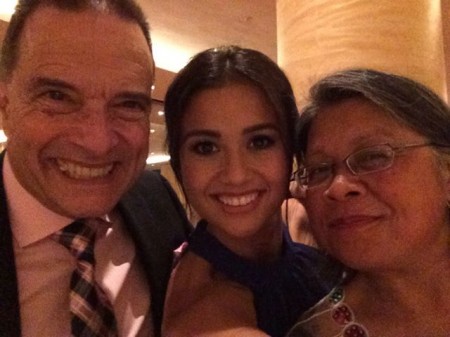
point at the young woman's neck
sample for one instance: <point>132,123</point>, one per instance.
<point>263,246</point>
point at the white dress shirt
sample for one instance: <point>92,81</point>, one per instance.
<point>44,268</point>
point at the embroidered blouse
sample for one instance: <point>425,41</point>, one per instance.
<point>331,317</point>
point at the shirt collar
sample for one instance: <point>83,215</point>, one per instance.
<point>30,220</point>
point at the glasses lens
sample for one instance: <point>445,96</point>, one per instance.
<point>371,159</point>
<point>314,175</point>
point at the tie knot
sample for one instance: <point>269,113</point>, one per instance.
<point>78,238</point>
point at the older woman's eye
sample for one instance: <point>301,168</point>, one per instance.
<point>315,174</point>
<point>372,159</point>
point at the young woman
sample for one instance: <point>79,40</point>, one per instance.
<point>230,116</point>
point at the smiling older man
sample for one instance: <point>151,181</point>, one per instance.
<point>75,100</point>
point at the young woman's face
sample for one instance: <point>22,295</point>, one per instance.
<point>390,218</point>
<point>234,166</point>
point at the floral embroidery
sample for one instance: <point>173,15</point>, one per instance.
<point>331,317</point>
<point>342,314</point>
<point>355,330</point>
<point>336,295</point>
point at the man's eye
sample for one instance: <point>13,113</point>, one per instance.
<point>56,95</point>
<point>131,110</point>
<point>133,105</point>
<point>204,148</point>
<point>58,102</point>
<point>261,142</point>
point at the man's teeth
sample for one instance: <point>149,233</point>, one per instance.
<point>82,172</point>
<point>238,201</point>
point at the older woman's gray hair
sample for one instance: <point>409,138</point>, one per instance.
<point>407,101</point>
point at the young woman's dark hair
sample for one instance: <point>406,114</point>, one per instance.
<point>217,67</point>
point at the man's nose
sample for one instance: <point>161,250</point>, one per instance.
<point>97,132</point>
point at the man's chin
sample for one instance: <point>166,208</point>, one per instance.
<point>87,208</point>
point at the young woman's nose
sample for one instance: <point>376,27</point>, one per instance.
<point>235,169</point>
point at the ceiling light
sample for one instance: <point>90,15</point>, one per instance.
<point>7,9</point>
<point>3,137</point>
<point>168,55</point>
<point>158,158</point>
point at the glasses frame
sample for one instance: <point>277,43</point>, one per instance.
<point>301,174</point>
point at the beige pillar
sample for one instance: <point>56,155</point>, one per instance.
<point>3,27</point>
<point>316,37</point>
<point>445,9</point>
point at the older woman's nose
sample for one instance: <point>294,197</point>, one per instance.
<point>343,186</point>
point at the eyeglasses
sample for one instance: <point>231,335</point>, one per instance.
<point>368,160</point>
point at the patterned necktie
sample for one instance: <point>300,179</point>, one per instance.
<point>92,313</point>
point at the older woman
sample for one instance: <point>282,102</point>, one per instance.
<point>375,163</point>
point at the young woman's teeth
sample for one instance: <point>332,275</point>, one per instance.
<point>238,201</point>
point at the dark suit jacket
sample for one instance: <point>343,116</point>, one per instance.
<point>156,221</point>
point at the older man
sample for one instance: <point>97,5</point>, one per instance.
<point>76,79</point>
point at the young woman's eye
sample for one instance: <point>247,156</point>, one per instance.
<point>204,148</point>
<point>262,142</point>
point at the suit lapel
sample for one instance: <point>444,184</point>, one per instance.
<point>155,238</point>
<point>154,251</point>
<point>9,297</point>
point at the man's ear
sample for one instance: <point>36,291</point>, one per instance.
<point>3,107</point>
